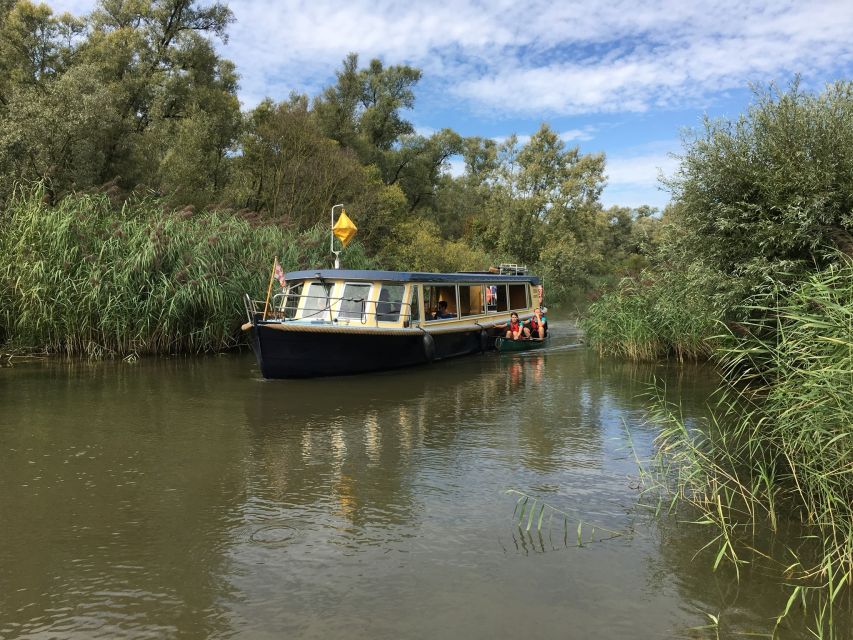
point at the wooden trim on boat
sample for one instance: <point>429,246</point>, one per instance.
<point>432,327</point>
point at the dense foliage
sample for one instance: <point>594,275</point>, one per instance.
<point>755,250</point>
<point>93,277</point>
<point>777,452</point>
<point>135,98</point>
<point>765,199</point>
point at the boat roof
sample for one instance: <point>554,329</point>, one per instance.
<point>409,276</point>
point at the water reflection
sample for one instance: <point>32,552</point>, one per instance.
<point>191,498</point>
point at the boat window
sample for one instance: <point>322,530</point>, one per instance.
<point>471,299</point>
<point>390,302</point>
<point>354,301</point>
<point>290,301</point>
<point>316,306</point>
<point>518,296</point>
<point>434,297</point>
<point>496,298</point>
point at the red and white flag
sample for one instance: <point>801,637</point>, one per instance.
<point>278,272</point>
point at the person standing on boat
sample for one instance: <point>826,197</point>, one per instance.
<point>538,324</point>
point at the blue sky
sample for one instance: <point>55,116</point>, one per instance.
<point>623,78</point>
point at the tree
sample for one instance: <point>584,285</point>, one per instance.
<point>156,58</point>
<point>542,205</point>
<point>56,132</point>
<point>31,46</point>
<point>363,112</point>
<point>287,169</point>
<point>362,109</point>
<point>768,194</point>
<point>419,164</point>
<point>135,91</point>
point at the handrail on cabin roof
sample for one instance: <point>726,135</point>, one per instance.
<point>419,277</point>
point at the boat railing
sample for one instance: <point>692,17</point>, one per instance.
<point>325,309</point>
<point>512,269</point>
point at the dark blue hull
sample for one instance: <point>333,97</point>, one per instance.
<point>306,354</point>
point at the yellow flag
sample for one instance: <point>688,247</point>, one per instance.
<point>344,229</point>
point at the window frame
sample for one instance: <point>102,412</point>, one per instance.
<point>502,295</point>
<point>480,307</point>
<point>304,299</point>
<point>441,285</point>
<point>366,312</point>
<point>401,302</point>
<point>526,288</point>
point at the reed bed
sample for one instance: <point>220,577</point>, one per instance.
<point>779,446</point>
<point>645,319</point>
<point>95,278</point>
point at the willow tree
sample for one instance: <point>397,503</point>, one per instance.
<point>768,194</point>
<point>540,206</point>
<point>134,92</point>
<point>364,111</point>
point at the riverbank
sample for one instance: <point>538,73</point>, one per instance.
<point>776,453</point>
<point>754,272</point>
<point>96,278</point>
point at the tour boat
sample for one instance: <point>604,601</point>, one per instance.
<point>336,321</point>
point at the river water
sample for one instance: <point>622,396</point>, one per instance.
<point>189,498</point>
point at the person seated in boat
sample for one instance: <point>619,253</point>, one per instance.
<point>442,313</point>
<point>537,326</point>
<point>515,330</point>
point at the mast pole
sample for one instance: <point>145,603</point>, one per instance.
<point>332,238</point>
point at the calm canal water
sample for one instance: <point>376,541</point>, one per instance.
<point>189,498</point>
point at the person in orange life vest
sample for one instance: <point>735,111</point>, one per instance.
<point>515,329</point>
<point>538,324</point>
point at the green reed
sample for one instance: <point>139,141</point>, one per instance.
<point>530,512</point>
<point>92,277</point>
<point>645,319</point>
<point>779,444</point>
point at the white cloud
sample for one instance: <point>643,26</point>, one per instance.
<point>520,139</point>
<point>639,169</point>
<point>671,63</point>
<point>557,58</point>
<point>424,131</point>
<point>582,134</point>
<point>633,176</point>
<point>76,7</point>
<point>539,57</point>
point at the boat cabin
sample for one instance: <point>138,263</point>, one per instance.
<point>386,299</point>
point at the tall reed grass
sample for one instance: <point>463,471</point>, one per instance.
<point>780,443</point>
<point>647,318</point>
<point>90,277</point>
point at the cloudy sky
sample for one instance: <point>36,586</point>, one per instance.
<point>625,78</point>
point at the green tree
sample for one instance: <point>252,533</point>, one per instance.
<point>134,91</point>
<point>419,163</point>
<point>157,59</point>
<point>287,169</point>
<point>35,45</point>
<point>541,207</point>
<point>56,132</point>
<point>768,194</point>
<point>362,109</point>
<point>420,247</point>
